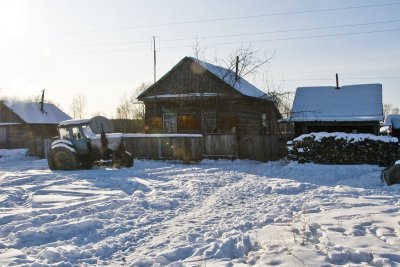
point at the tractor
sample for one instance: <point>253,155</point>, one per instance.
<point>87,142</point>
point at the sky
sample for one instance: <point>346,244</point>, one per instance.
<point>102,49</point>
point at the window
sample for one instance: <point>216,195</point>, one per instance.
<point>170,123</point>
<point>264,120</point>
<point>265,127</point>
<point>189,123</point>
<point>76,133</point>
<point>64,133</point>
<point>209,122</point>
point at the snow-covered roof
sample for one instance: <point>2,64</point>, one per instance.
<point>228,76</point>
<point>8,123</point>
<point>30,112</point>
<point>75,122</point>
<point>392,120</point>
<point>361,102</point>
<point>191,95</point>
<point>161,135</point>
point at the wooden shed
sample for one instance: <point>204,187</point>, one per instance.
<point>351,109</point>
<point>28,125</point>
<point>198,97</point>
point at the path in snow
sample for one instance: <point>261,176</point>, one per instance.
<point>215,212</point>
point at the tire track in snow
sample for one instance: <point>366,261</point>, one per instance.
<point>231,210</point>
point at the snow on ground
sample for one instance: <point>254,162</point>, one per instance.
<point>213,213</point>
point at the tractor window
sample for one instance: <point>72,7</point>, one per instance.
<point>76,133</point>
<point>64,133</point>
<point>87,131</point>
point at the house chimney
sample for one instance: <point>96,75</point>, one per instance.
<point>237,69</point>
<point>42,102</point>
<point>337,81</point>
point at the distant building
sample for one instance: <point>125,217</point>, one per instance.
<point>28,124</point>
<point>350,109</point>
<point>199,97</point>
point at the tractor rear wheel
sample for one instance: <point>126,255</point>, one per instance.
<point>127,159</point>
<point>61,158</point>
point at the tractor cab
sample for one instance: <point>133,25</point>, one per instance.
<point>78,132</point>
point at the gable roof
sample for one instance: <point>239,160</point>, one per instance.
<point>361,102</point>
<point>227,76</point>
<point>30,112</point>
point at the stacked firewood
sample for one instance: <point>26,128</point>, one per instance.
<point>344,149</point>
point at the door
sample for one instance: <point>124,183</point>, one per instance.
<point>79,140</point>
<point>3,137</point>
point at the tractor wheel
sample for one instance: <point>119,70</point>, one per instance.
<point>61,158</point>
<point>87,165</point>
<point>391,175</point>
<point>127,159</point>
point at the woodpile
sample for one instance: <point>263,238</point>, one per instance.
<point>344,149</point>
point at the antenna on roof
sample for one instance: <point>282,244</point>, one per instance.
<point>42,102</point>
<point>155,50</point>
<point>337,81</point>
<point>237,69</point>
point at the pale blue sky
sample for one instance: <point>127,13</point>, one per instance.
<point>102,49</point>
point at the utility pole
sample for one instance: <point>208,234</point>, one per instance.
<point>155,57</point>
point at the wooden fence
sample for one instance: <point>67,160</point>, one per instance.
<point>220,146</point>
<point>261,147</point>
<point>195,147</point>
<point>165,146</point>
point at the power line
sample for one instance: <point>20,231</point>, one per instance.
<point>343,78</point>
<point>224,19</point>
<point>235,35</point>
<point>296,38</point>
<point>227,43</point>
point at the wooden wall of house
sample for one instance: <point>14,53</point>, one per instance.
<point>30,136</point>
<point>347,127</point>
<point>6,115</point>
<point>243,115</point>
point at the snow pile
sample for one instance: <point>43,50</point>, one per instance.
<point>12,154</point>
<point>215,213</point>
<point>350,138</point>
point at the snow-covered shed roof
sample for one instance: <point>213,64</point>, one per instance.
<point>361,102</point>
<point>229,76</point>
<point>30,112</point>
<point>392,120</point>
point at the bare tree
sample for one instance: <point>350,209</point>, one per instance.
<point>125,109</point>
<point>129,107</point>
<point>249,61</point>
<point>390,109</point>
<point>78,106</point>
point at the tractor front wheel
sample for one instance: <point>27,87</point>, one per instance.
<point>61,158</point>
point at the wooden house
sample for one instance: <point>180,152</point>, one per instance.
<point>28,125</point>
<point>351,109</point>
<point>199,97</point>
